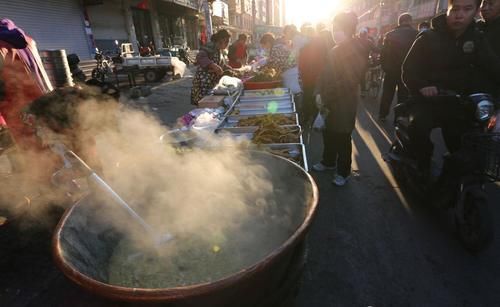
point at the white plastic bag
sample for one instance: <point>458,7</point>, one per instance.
<point>319,122</point>
<point>228,85</point>
<point>291,80</point>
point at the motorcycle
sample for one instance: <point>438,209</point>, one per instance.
<point>183,55</point>
<point>76,72</point>
<point>179,49</point>
<point>103,68</point>
<point>460,183</point>
<point>100,73</point>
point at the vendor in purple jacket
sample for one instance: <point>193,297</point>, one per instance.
<point>23,76</point>
<point>211,65</point>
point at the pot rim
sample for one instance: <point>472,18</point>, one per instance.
<point>179,293</point>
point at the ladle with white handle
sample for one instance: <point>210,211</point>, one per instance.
<point>72,159</point>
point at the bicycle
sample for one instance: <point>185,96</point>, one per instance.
<point>375,79</point>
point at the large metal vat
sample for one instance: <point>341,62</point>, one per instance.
<point>83,243</point>
<point>57,67</point>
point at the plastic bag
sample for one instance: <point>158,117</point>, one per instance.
<point>291,80</point>
<point>228,85</point>
<point>319,122</point>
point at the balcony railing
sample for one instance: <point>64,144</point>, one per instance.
<point>188,3</point>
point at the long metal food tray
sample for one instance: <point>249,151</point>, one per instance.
<point>246,133</point>
<point>288,98</point>
<point>297,150</point>
<point>267,92</point>
<point>233,120</point>
<point>237,110</point>
<point>266,105</point>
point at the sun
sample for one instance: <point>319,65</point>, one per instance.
<point>313,11</point>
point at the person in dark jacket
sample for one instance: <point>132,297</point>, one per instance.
<point>339,90</point>
<point>312,59</point>
<point>490,11</point>
<point>394,49</point>
<point>238,54</point>
<point>453,56</point>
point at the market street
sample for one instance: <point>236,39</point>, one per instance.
<point>368,245</point>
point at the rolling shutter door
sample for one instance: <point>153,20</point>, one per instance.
<point>54,24</point>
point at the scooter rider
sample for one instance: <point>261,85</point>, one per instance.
<point>453,55</point>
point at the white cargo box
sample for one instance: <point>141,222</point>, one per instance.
<point>148,61</point>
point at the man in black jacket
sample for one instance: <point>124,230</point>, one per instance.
<point>394,49</point>
<point>490,11</point>
<point>454,56</point>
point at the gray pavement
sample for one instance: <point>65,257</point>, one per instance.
<point>372,246</point>
<point>369,245</point>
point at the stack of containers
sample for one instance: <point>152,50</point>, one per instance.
<point>257,104</point>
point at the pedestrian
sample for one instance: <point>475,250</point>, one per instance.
<point>211,65</point>
<point>312,59</point>
<point>238,54</point>
<point>339,95</point>
<point>394,49</point>
<point>454,56</point>
<point>309,64</point>
<point>423,26</point>
<point>369,48</point>
<point>296,40</point>
<point>490,11</point>
<point>281,59</point>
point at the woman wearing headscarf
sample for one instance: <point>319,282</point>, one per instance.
<point>211,65</point>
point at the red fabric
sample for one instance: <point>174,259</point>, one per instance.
<point>143,5</point>
<point>20,90</point>
<point>239,54</point>
<point>311,62</point>
<point>203,37</point>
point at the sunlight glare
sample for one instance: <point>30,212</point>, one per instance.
<point>313,11</point>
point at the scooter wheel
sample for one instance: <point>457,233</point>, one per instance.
<point>474,222</point>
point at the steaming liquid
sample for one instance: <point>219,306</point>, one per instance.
<point>189,259</point>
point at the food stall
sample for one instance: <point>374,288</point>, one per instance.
<point>235,263</point>
<point>268,119</point>
<point>260,114</point>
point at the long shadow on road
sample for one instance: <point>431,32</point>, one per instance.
<point>369,245</point>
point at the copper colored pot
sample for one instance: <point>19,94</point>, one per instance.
<point>81,247</point>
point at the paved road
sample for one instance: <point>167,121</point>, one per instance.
<point>369,245</point>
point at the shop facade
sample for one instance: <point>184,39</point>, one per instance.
<point>55,24</point>
<point>160,23</point>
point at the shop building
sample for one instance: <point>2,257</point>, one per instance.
<point>160,23</point>
<point>382,16</point>
<point>244,15</point>
<point>53,24</point>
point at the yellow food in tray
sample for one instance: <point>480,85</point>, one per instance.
<point>278,119</point>
<point>272,133</point>
<point>266,75</point>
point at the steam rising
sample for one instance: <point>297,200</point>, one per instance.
<point>202,192</point>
